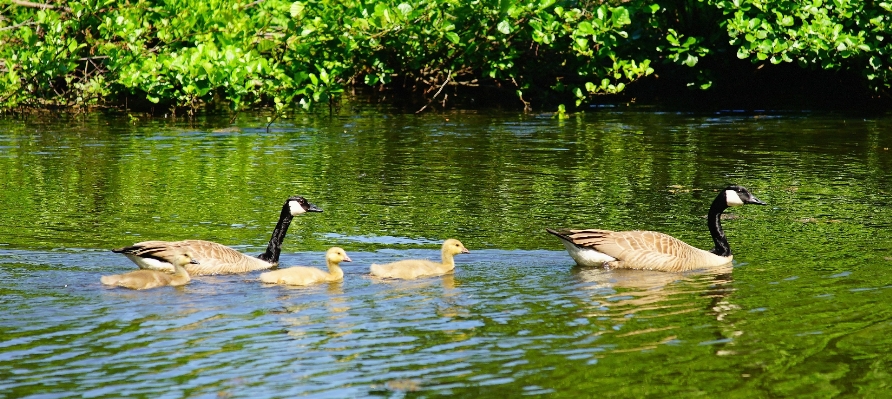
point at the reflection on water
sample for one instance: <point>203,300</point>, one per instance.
<point>625,294</point>
<point>803,311</point>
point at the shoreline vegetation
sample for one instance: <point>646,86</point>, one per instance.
<point>181,56</point>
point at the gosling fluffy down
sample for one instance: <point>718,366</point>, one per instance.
<point>301,275</point>
<point>415,268</point>
<point>146,279</point>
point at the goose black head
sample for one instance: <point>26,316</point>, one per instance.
<point>737,195</point>
<point>299,205</point>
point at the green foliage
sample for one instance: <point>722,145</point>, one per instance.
<point>186,53</point>
<point>833,35</point>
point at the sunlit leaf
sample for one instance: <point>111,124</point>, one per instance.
<point>296,9</point>
<point>504,27</point>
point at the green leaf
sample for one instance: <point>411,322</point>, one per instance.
<point>504,27</point>
<point>297,9</point>
<point>323,76</point>
<point>452,37</point>
<point>405,9</point>
<point>585,28</point>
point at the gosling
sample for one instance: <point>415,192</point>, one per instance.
<point>301,275</point>
<point>147,279</point>
<point>415,268</point>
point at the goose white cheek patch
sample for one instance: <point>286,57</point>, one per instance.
<point>296,209</point>
<point>732,198</point>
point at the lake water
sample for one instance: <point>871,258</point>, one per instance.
<point>804,311</point>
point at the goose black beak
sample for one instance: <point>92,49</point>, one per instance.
<point>755,201</point>
<point>313,208</point>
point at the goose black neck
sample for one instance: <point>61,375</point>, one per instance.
<point>274,249</point>
<point>714,221</point>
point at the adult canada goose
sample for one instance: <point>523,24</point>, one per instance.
<point>301,275</point>
<point>216,258</point>
<point>145,279</point>
<point>414,268</point>
<point>652,250</point>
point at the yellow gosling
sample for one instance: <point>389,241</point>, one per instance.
<point>301,275</point>
<point>414,268</point>
<point>146,279</point>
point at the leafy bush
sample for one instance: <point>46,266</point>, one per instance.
<point>181,54</point>
<point>835,35</point>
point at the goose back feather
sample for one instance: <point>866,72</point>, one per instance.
<point>215,258</point>
<point>639,249</point>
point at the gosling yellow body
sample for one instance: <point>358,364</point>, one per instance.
<point>146,279</point>
<point>301,275</point>
<point>415,268</point>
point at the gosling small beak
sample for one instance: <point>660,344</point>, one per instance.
<point>465,251</point>
<point>313,208</point>
<point>347,259</point>
<point>194,262</point>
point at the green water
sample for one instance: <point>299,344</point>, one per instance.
<point>803,312</point>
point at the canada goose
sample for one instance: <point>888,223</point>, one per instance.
<point>301,275</point>
<point>652,250</point>
<point>414,268</point>
<point>216,258</point>
<point>145,279</point>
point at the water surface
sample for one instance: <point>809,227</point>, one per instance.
<point>802,311</point>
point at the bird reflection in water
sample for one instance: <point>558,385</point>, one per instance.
<point>621,294</point>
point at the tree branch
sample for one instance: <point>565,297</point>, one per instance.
<point>449,76</point>
<point>25,3</point>
<point>28,22</point>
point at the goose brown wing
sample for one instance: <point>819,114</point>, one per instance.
<point>638,249</point>
<point>212,258</point>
